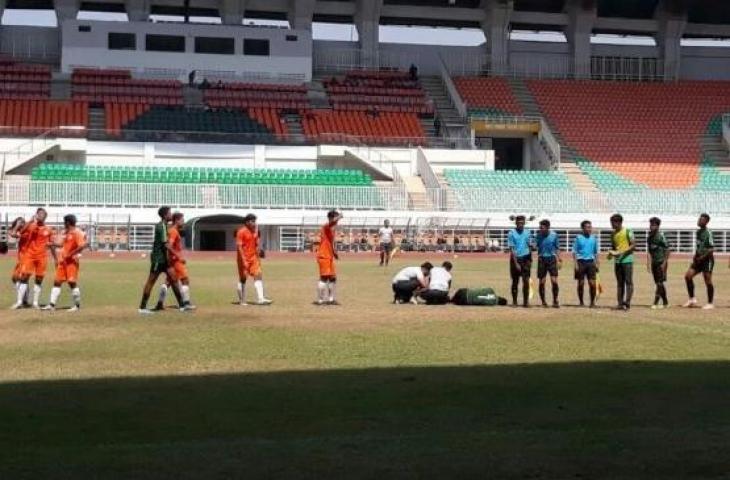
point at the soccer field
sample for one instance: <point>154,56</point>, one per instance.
<point>364,390</point>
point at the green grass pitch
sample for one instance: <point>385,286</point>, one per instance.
<point>365,390</point>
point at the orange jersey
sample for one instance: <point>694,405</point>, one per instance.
<point>175,241</point>
<point>23,241</point>
<point>72,241</point>
<point>39,238</point>
<point>326,242</point>
<point>249,242</point>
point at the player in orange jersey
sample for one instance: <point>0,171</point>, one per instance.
<point>67,263</point>
<point>177,262</point>
<point>326,256</point>
<point>21,239</point>
<point>35,259</point>
<point>248,257</point>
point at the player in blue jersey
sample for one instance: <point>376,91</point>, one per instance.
<point>548,261</point>
<point>519,242</point>
<point>585,256</point>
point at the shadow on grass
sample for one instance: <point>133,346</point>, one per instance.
<point>578,420</point>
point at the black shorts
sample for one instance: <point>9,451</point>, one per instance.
<point>657,271</point>
<point>586,269</point>
<point>386,247</point>
<point>435,297</point>
<point>158,267</point>
<point>526,266</point>
<point>403,290</point>
<point>703,266</point>
<point>547,265</point>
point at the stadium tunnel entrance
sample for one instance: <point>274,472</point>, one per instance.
<point>218,233</point>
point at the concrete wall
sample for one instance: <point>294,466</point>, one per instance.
<point>37,43</point>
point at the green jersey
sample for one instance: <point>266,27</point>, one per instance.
<point>159,250</point>
<point>657,247</point>
<point>703,242</point>
<point>481,296</point>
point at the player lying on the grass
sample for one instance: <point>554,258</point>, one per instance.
<point>519,242</point>
<point>548,261</point>
<point>160,263</point>
<point>485,297</point>
<point>67,263</point>
<point>585,258</point>
<point>35,258</point>
<point>21,238</point>
<point>657,262</point>
<point>409,282</point>
<point>248,259</point>
<point>703,262</point>
<point>622,252</point>
<point>439,284</point>
<point>326,256</point>
<point>178,262</point>
<point>385,238</point>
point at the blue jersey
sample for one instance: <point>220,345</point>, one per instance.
<point>519,242</point>
<point>548,245</point>
<point>585,248</point>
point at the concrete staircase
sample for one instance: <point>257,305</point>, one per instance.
<point>581,182</point>
<point>97,123</point>
<point>452,124</point>
<point>61,89</point>
<point>714,148</point>
<point>294,127</point>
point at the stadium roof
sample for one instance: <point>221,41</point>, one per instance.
<point>704,17</point>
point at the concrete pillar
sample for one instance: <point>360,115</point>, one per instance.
<point>668,38</point>
<point>138,10</point>
<point>232,11</point>
<point>582,18</point>
<point>66,10</point>
<point>367,20</point>
<point>300,14</point>
<point>496,26</point>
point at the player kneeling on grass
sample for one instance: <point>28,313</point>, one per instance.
<point>703,262</point>
<point>178,263</point>
<point>585,256</point>
<point>439,284</point>
<point>410,282</point>
<point>248,258</point>
<point>481,297</point>
<point>160,263</point>
<point>548,261</point>
<point>657,262</point>
<point>67,263</point>
<point>326,256</point>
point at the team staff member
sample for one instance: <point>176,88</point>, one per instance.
<point>622,252</point>
<point>248,258</point>
<point>67,263</point>
<point>326,256</point>
<point>439,284</point>
<point>35,260</point>
<point>548,261</point>
<point>703,262</point>
<point>585,257</point>
<point>385,237</point>
<point>657,262</point>
<point>409,282</point>
<point>519,242</point>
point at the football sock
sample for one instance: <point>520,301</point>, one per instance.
<point>710,293</point>
<point>592,289</point>
<point>241,290</point>
<point>163,294</point>
<point>581,292</point>
<point>690,287</point>
<point>541,288</point>
<point>55,293</point>
<point>36,294</point>
<point>556,292</point>
<point>143,302</point>
<point>322,291</point>
<point>259,286</point>
<point>185,292</point>
<point>331,286</point>
<point>22,291</point>
<point>76,294</point>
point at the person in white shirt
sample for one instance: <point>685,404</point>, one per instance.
<point>439,285</point>
<point>408,283</point>
<point>385,237</point>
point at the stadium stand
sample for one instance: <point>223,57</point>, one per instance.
<point>34,117</point>
<point>118,86</point>
<point>630,128</point>
<point>387,128</point>
<point>27,82</point>
<point>255,95</point>
<point>490,96</point>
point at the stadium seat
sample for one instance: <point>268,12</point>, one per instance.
<point>490,96</point>
<point>326,126</point>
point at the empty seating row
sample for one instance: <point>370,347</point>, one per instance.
<point>33,117</point>
<point>185,175</point>
<point>243,103</point>
<point>380,129</point>
<point>507,179</point>
<point>491,96</point>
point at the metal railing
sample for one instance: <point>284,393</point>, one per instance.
<point>37,144</point>
<point>423,168</point>
<point>344,59</point>
<point>456,100</point>
<point>551,144</point>
<point>144,195</point>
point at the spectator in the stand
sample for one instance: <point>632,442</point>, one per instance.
<point>219,85</point>
<point>205,84</point>
<point>437,126</point>
<point>413,72</point>
<point>191,78</point>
